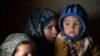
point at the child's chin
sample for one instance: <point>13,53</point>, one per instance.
<point>72,36</point>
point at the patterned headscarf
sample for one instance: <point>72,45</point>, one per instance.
<point>37,21</point>
<point>8,46</point>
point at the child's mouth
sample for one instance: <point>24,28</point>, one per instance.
<point>72,33</point>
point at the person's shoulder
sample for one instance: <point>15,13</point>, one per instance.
<point>90,38</point>
<point>60,36</point>
<point>60,39</point>
<point>88,41</point>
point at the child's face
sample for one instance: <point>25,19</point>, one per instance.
<point>25,50</point>
<point>72,26</point>
<point>50,31</point>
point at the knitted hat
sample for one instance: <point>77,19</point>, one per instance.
<point>78,11</point>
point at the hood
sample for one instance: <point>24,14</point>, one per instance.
<point>37,21</point>
<point>78,11</point>
<point>8,46</point>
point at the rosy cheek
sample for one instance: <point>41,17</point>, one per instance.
<point>66,32</point>
<point>78,31</point>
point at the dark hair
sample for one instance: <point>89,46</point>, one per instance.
<point>23,43</point>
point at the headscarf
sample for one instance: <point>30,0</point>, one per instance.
<point>37,21</point>
<point>8,46</point>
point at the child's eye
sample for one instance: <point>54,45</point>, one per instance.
<point>77,24</point>
<point>67,24</point>
<point>49,28</point>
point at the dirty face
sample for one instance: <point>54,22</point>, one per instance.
<point>50,31</point>
<point>72,26</point>
<point>25,50</point>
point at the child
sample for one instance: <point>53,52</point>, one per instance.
<point>17,44</point>
<point>73,39</point>
<point>25,48</point>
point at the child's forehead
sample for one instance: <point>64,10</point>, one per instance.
<point>72,18</point>
<point>25,46</point>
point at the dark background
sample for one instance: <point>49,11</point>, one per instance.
<point>15,12</point>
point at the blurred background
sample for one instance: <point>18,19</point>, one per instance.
<point>14,14</point>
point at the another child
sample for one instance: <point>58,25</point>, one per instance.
<point>73,39</point>
<point>18,44</point>
<point>25,48</point>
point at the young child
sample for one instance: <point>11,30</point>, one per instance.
<point>73,39</point>
<point>18,44</point>
<point>25,48</point>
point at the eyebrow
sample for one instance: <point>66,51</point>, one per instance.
<point>65,20</point>
<point>69,20</point>
<point>78,21</point>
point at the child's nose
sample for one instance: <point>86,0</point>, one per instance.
<point>72,27</point>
